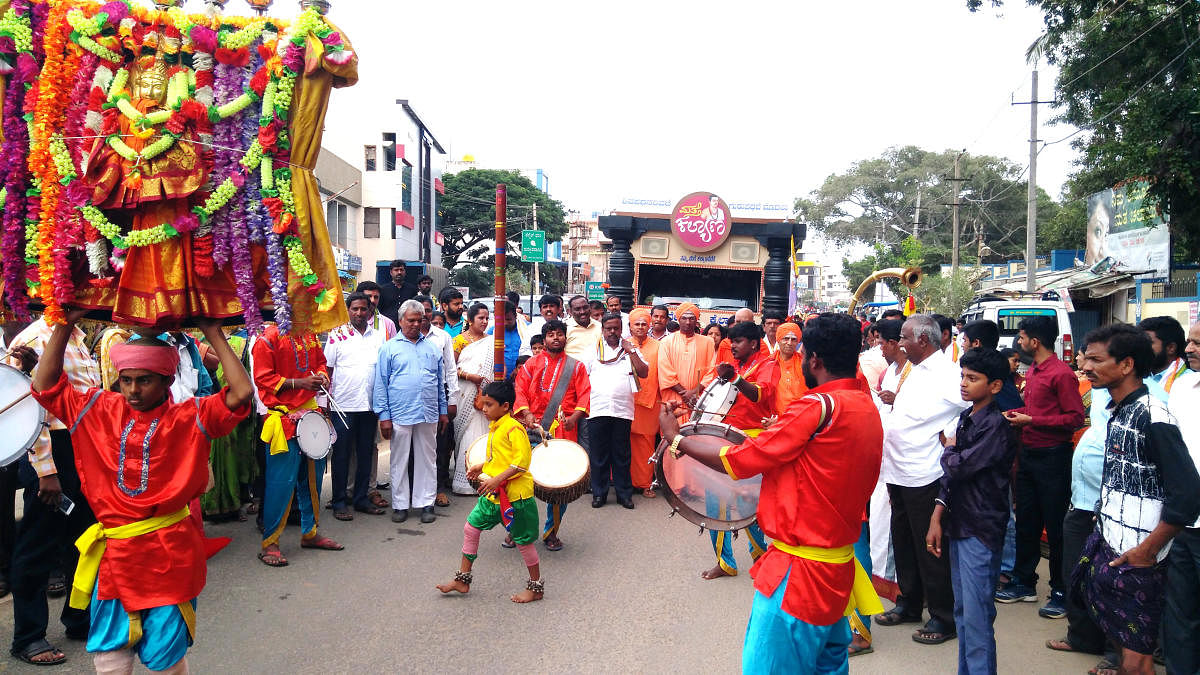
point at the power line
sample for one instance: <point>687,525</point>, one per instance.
<point>1123,47</point>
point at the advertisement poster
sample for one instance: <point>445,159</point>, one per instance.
<point>701,221</point>
<point>1122,227</point>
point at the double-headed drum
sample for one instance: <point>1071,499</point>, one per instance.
<point>21,423</point>
<point>314,433</point>
<point>714,402</point>
<point>561,471</point>
<point>708,498</point>
<point>477,456</point>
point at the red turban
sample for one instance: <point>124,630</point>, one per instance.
<point>788,329</point>
<point>687,307</point>
<point>162,360</point>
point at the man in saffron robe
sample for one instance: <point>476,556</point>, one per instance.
<point>817,475</point>
<point>141,459</point>
<point>645,404</point>
<point>788,361</point>
<point>683,358</point>
<point>536,382</point>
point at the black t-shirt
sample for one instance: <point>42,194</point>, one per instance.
<point>390,298</point>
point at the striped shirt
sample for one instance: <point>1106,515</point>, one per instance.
<point>82,373</point>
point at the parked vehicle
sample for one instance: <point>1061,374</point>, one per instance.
<point>1008,312</point>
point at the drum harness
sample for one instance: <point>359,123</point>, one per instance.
<point>560,392</point>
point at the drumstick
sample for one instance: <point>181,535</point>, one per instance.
<point>9,352</point>
<point>20,398</point>
<point>335,407</point>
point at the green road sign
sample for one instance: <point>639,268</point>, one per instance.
<point>533,246</point>
<point>595,290</point>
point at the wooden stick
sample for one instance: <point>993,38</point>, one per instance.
<point>20,398</point>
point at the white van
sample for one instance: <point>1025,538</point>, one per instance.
<point>1008,314</point>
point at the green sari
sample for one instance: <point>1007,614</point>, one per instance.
<point>232,457</point>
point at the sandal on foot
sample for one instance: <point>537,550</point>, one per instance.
<point>895,617</point>
<point>37,649</point>
<point>1060,645</point>
<point>370,509</point>
<point>343,514</point>
<point>553,544</point>
<point>508,543</point>
<point>649,494</point>
<point>441,500</point>
<point>934,632</point>
<point>274,559</point>
<point>323,543</point>
<point>1104,668</point>
<point>378,499</point>
<point>855,650</point>
<point>57,586</point>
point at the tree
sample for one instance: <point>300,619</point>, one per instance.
<point>948,294</point>
<point>469,213</point>
<point>910,253</point>
<point>1129,79</point>
<point>876,201</point>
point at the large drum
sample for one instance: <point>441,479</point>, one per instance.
<point>708,498</point>
<point>477,456</point>
<point>561,471</point>
<point>714,402</point>
<point>23,418</point>
<point>314,433</point>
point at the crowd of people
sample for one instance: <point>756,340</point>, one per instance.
<point>907,447</point>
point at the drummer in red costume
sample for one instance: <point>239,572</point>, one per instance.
<point>537,382</point>
<point>817,476</point>
<point>141,458</point>
<point>288,372</point>
<point>755,374</point>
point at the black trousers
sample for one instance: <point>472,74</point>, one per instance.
<point>9,483</point>
<point>923,578</point>
<point>357,439</point>
<point>1042,494</point>
<point>610,454</point>
<point>1082,633</point>
<point>1181,621</point>
<point>445,456</point>
<point>42,535</point>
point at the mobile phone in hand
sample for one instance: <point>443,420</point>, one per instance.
<point>65,505</point>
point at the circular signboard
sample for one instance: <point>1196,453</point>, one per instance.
<point>702,221</point>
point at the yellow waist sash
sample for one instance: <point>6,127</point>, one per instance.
<point>862,595</point>
<point>91,545</point>
<point>272,430</point>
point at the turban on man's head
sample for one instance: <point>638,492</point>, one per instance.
<point>639,313</point>
<point>158,358</point>
<point>685,308</point>
<point>786,329</point>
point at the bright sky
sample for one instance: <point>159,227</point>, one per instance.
<point>757,101</point>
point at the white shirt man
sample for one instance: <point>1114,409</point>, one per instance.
<point>872,364</point>
<point>926,405</point>
<point>612,384</point>
<point>351,355</point>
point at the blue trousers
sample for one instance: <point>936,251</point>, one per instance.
<point>722,542</point>
<point>974,569</point>
<point>160,636</point>
<point>554,514</point>
<point>289,474</point>
<point>777,642</point>
<point>1009,558</point>
<point>862,551</point>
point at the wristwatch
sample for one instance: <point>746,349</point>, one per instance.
<point>675,445</point>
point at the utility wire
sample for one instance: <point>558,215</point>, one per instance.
<point>1123,47</point>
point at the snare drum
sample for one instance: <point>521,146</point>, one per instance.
<point>714,403</point>
<point>561,471</point>
<point>20,424</point>
<point>477,456</point>
<point>314,433</point>
<point>708,498</point>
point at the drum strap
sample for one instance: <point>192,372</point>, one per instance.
<point>560,392</point>
<point>827,409</point>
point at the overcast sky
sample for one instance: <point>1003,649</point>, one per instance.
<point>757,101</point>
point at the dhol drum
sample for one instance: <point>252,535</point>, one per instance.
<point>714,402</point>
<point>22,418</point>
<point>561,471</point>
<point>314,433</point>
<point>477,456</point>
<point>708,498</point>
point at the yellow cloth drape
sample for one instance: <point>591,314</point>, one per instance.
<point>91,545</point>
<point>272,429</point>
<point>862,595</point>
<point>306,127</point>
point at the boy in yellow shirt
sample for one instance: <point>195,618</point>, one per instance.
<point>506,493</point>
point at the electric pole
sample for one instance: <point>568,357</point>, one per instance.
<point>954,214</point>
<point>1031,205</point>
<point>917,213</point>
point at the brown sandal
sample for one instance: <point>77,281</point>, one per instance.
<point>441,500</point>
<point>272,558</point>
<point>377,499</point>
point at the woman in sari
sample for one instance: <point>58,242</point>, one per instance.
<point>474,354</point>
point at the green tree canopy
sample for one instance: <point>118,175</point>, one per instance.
<point>875,201</point>
<point>469,213</point>
<point>1129,79</point>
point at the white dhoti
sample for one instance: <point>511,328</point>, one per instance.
<point>883,565</point>
<point>421,440</point>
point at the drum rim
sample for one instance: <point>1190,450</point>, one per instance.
<point>587,472</point>
<point>677,504</point>
<point>37,430</point>
<point>332,434</point>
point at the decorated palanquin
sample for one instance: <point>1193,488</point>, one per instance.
<point>156,164</point>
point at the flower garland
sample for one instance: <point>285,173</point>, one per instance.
<point>15,30</point>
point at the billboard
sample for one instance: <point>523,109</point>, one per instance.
<point>701,221</point>
<point>1122,227</point>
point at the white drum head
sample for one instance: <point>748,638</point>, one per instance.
<point>715,402</point>
<point>558,463</point>
<point>315,435</point>
<point>20,424</point>
<point>477,452</point>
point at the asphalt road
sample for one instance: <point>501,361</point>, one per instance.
<point>625,595</point>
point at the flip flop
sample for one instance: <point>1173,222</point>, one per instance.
<point>343,514</point>
<point>858,651</point>
<point>932,637</point>
<point>322,543</point>
<point>273,559</point>
<point>371,509</point>
<point>37,649</point>
<point>1061,646</point>
<point>442,500</point>
<point>57,586</point>
<point>895,618</point>
<point>377,499</point>
<point>556,545</point>
<point>1105,666</point>
<point>508,543</point>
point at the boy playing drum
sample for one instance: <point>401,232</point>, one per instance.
<point>506,493</point>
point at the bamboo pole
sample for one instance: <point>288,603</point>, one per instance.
<point>501,242</point>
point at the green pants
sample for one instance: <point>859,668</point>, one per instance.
<point>486,515</point>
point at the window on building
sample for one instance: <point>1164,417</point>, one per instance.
<point>389,152</point>
<point>369,157</point>
<point>406,180</point>
<point>337,217</point>
<point>370,223</point>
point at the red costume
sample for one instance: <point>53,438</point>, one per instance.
<point>813,492</point>
<point>762,371</point>
<point>165,465</point>
<point>535,384</point>
<point>276,360</point>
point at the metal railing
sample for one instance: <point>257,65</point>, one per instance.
<point>1159,290</point>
